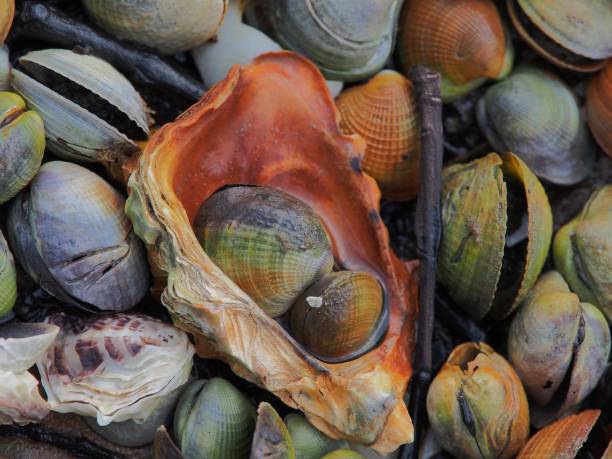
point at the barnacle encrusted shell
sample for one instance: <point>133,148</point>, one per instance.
<point>8,279</point>
<point>599,107</point>
<point>115,367</point>
<point>274,123</point>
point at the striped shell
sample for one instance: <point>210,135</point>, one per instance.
<point>7,11</point>
<point>571,34</point>
<point>69,231</point>
<point>383,112</point>
<point>168,26</point>
<point>562,439</point>
<point>271,244</point>
<point>8,279</point>
<point>535,115</point>
<point>599,107</point>
<point>464,40</point>
<point>115,367</point>
<point>271,439</point>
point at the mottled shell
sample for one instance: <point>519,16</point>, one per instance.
<point>271,439</point>
<point>573,35</point>
<point>73,131</point>
<point>464,40</point>
<point>349,40</point>
<point>599,107</point>
<point>271,244</point>
<point>68,230</point>
<point>475,220</point>
<point>7,11</point>
<point>8,279</point>
<point>309,443</point>
<point>383,111</point>
<point>558,347</point>
<point>214,419</point>
<point>168,26</point>
<point>535,115</point>
<point>562,439</point>
<point>22,144</point>
<point>582,251</point>
<point>115,367</point>
<point>343,454</point>
<point>477,406</point>
<point>348,306</point>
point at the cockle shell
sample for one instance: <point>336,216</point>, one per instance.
<point>570,34</point>
<point>464,40</point>
<point>73,131</point>
<point>271,439</point>
<point>599,107</point>
<point>308,442</point>
<point>168,26</point>
<point>8,279</point>
<point>562,439</point>
<point>7,11</point>
<point>115,367</point>
<point>273,123</point>
<point>536,116</point>
<point>383,111</point>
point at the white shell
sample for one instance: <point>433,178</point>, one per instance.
<point>20,400</point>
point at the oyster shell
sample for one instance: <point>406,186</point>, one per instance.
<point>274,123</point>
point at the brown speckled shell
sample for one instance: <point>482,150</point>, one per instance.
<point>599,107</point>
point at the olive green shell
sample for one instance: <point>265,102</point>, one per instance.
<point>8,278</point>
<point>343,454</point>
<point>214,420</point>
<point>308,441</point>
<point>535,115</point>
<point>270,244</point>
<point>22,144</point>
<point>582,251</point>
<point>473,248</point>
<point>338,315</point>
<point>271,439</point>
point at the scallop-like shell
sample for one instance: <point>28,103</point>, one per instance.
<point>22,144</point>
<point>7,11</point>
<point>273,123</point>
<point>383,111</point>
<point>70,233</point>
<point>464,40</point>
<point>115,367</point>
<point>8,279</point>
<point>599,107</point>
<point>73,131</point>
<point>348,306</point>
<point>269,243</point>
<point>535,115</point>
<point>562,439</point>
<point>168,26</point>
<point>570,34</point>
<point>308,442</point>
<point>348,39</point>
<point>271,438</point>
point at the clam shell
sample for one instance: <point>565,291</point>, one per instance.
<point>464,40</point>
<point>599,107</point>
<point>536,116</point>
<point>7,11</point>
<point>170,27</point>
<point>343,454</point>
<point>5,69</point>
<point>8,279</point>
<point>562,439</point>
<point>116,367</point>
<point>308,442</point>
<point>383,112</point>
<point>271,438</point>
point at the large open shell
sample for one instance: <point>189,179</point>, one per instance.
<point>274,123</point>
<point>575,35</point>
<point>464,40</point>
<point>348,39</point>
<point>599,107</point>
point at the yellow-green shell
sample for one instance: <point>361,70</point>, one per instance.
<point>8,278</point>
<point>308,441</point>
<point>343,454</point>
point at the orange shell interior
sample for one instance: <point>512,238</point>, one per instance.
<point>273,122</point>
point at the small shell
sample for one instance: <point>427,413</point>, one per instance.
<point>561,440</point>
<point>8,279</point>
<point>116,367</point>
<point>348,306</point>
<point>572,35</point>
<point>535,115</point>
<point>168,26</point>
<point>271,439</point>
<point>309,442</point>
<point>383,112</point>
<point>7,11</point>
<point>464,40</point>
<point>599,107</point>
<point>343,454</point>
<point>271,244</point>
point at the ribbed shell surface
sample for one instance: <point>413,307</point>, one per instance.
<point>383,112</point>
<point>599,107</point>
<point>308,441</point>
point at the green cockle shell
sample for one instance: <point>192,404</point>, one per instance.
<point>8,278</point>
<point>308,441</point>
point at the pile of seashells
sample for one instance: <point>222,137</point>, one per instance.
<point>201,202</point>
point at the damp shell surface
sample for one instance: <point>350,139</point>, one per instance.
<point>464,40</point>
<point>536,116</point>
<point>383,112</point>
<point>599,107</point>
<point>70,233</point>
<point>170,27</point>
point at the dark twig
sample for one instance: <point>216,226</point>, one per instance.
<point>427,228</point>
